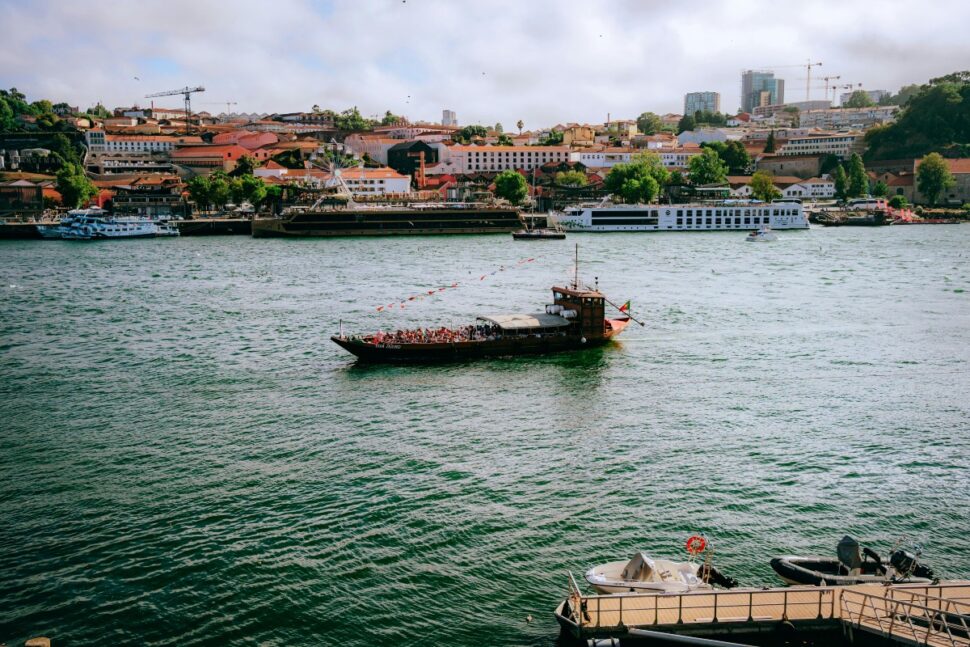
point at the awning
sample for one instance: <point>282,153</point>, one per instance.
<point>519,322</point>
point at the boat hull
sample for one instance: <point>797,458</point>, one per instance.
<point>462,351</point>
<point>390,222</point>
<point>823,571</point>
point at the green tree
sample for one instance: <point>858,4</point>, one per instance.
<point>686,123</point>
<point>763,187</point>
<point>707,168</point>
<point>933,177</point>
<point>841,181</point>
<point>245,165</point>
<point>649,123</point>
<point>7,122</point>
<point>468,133</point>
<point>770,142</point>
<point>859,99</point>
<point>554,138</point>
<point>858,180</point>
<point>504,140</point>
<point>511,186</point>
<point>98,111</point>
<point>247,188</point>
<point>200,190</point>
<point>828,164</point>
<point>219,189</point>
<point>519,125</point>
<point>390,119</point>
<point>351,120</point>
<point>74,186</point>
<point>498,129</point>
<point>639,181</point>
<point>934,120</point>
<point>898,202</point>
<point>709,118</point>
<point>880,189</point>
<point>571,178</point>
<point>733,153</point>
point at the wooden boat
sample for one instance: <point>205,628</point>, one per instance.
<point>574,320</point>
<point>849,567</point>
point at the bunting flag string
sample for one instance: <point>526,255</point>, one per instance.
<point>457,284</point>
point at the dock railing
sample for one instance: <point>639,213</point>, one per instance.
<point>907,613</point>
<point>752,605</point>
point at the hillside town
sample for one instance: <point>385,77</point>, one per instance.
<point>164,162</point>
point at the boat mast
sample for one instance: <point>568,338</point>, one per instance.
<point>576,267</point>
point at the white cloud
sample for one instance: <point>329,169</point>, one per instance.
<point>542,61</point>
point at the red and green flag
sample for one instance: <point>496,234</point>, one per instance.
<point>625,306</point>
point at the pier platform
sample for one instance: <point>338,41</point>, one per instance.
<point>904,614</point>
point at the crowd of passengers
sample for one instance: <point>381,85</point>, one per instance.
<point>475,332</point>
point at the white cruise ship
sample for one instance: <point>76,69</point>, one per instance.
<point>95,223</point>
<point>724,215</point>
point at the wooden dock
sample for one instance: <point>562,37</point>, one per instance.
<point>907,614</point>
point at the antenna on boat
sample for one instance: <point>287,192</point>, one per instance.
<point>576,270</point>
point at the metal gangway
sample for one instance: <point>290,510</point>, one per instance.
<point>936,616</point>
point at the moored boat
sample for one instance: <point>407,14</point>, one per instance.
<point>762,234</point>
<point>539,233</point>
<point>852,567</point>
<point>642,574</point>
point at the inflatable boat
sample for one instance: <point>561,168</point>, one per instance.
<point>852,567</point>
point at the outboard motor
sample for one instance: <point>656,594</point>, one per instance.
<point>903,561</point>
<point>848,552</point>
<point>713,576</point>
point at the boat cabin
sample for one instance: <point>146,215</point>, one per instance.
<point>520,325</point>
<point>589,306</point>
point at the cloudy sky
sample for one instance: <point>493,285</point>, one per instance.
<point>542,61</point>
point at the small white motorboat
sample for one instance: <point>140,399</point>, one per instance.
<point>641,574</point>
<point>763,234</point>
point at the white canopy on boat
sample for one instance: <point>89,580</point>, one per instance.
<point>519,321</point>
<point>639,569</point>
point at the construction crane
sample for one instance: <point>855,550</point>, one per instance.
<point>808,73</point>
<point>186,92</point>
<point>827,79</point>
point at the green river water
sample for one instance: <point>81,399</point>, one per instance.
<point>187,458</point>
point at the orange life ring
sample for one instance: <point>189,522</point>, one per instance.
<point>696,544</point>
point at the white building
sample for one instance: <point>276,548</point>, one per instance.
<point>705,135</point>
<point>840,144</point>
<point>449,118</point>
<point>100,142</point>
<point>860,118</point>
<point>815,187</point>
<point>604,158</point>
<point>461,158</point>
<point>374,146</point>
<point>364,182</point>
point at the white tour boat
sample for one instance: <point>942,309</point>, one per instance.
<point>723,215</point>
<point>96,224</point>
<point>762,234</point>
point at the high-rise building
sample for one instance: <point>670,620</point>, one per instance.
<point>448,118</point>
<point>704,101</point>
<point>760,88</point>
